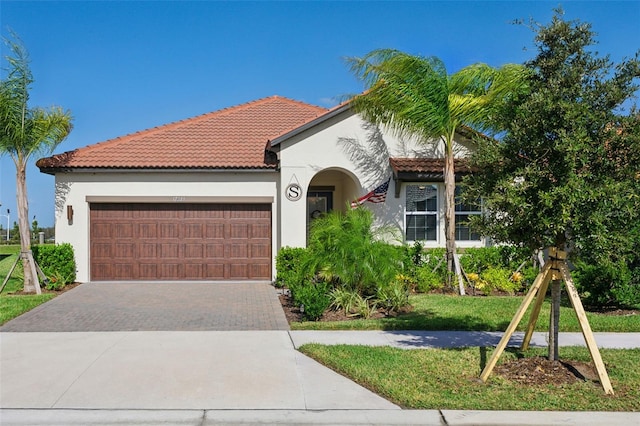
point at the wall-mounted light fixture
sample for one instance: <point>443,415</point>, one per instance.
<point>70,214</point>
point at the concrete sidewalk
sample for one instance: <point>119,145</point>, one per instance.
<point>311,417</point>
<point>227,377</point>
<point>455,339</point>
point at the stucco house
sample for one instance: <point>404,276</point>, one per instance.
<point>214,197</point>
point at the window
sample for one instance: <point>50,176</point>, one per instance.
<point>463,212</point>
<point>421,213</point>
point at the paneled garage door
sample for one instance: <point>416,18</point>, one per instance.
<point>180,241</point>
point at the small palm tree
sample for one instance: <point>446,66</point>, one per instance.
<point>24,132</point>
<point>414,96</point>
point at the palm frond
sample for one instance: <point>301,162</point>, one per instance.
<point>405,93</point>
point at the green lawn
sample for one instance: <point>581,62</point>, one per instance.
<point>448,379</point>
<point>492,313</point>
<point>13,306</point>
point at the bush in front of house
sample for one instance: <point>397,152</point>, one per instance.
<point>345,251</point>
<point>313,298</point>
<point>57,262</point>
<point>289,266</point>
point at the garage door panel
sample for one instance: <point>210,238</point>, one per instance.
<point>237,230</point>
<point>259,270</point>
<point>101,230</point>
<point>169,251</point>
<point>194,271</point>
<point>238,271</point>
<point>193,230</point>
<point>148,271</point>
<point>102,250</point>
<point>238,251</point>
<point>170,271</point>
<point>169,230</point>
<point>147,250</point>
<point>215,251</point>
<point>122,230</point>
<point>124,250</point>
<point>192,251</point>
<point>122,270</point>
<point>101,271</point>
<point>180,241</point>
<point>214,231</point>
<point>261,231</point>
<point>260,251</point>
<point>215,271</point>
<point>148,230</point>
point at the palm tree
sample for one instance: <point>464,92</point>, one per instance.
<point>24,132</point>
<point>414,96</point>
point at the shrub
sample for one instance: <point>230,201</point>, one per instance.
<point>289,263</point>
<point>428,280</point>
<point>393,296</point>
<point>365,307</point>
<point>500,279</point>
<point>57,262</point>
<point>480,258</point>
<point>344,299</point>
<point>434,258</point>
<point>344,247</point>
<point>608,284</point>
<point>313,298</point>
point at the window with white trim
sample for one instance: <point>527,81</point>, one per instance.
<point>421,213</point>
<point>463,212</point>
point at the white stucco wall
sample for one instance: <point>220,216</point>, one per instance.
<point>75,189</point>
<point>348,144</point>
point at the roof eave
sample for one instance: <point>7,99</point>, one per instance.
<point>309,124</point>
<point>55,170</point>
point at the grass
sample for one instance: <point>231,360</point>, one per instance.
<point>12,306</point>
<point>449,378</point>
<point>491,313</point>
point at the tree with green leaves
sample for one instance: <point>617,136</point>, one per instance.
<point>24,132</point>
<point>566,173</point>
<point>415,96</point>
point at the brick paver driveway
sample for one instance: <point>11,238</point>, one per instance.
<point>138,306</point>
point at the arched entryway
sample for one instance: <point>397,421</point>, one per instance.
<point>330,189</point>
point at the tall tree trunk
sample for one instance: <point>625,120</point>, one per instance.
<point>449,206</point>
<point>25,231</point>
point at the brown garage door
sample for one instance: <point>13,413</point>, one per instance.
<point>180,241</point>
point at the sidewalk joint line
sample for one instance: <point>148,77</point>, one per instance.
<point>87,369</point>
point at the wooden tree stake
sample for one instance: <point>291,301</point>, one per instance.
<point>586,330</point>
<point>542,276</point>
<point>554,269</point>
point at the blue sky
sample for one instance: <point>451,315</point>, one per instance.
<point>125,66</point>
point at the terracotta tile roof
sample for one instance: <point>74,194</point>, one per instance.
<point>427,165</point>
<point>231,138</point>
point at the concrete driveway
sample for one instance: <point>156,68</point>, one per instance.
<point>157,306</point>
<point>165,346</point>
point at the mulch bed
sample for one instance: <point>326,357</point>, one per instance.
<point>293,314</point>
<point>537,371</point>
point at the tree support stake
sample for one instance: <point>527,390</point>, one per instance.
<point>555,269</point>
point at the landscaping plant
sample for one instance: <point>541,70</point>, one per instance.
<point>344,247</point>
<point>58,264</point>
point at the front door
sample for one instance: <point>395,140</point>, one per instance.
<point>318,203</point>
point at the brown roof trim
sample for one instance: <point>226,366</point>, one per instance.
<point>424,170</point>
